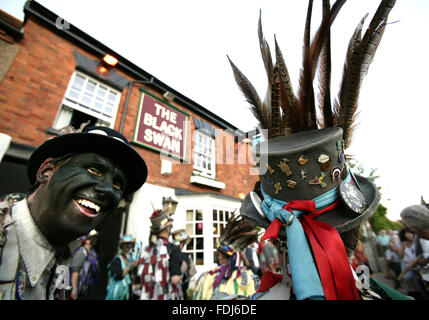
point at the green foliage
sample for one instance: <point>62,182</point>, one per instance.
<point>379,219</point>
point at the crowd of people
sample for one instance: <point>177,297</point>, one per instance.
<point>308,202</point>
<point>162,270</point>
<point>405,252</point>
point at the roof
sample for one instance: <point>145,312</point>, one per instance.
<point>83,40</point>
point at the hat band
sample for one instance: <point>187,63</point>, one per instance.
<point>325,245</point>
<point>321,201</point>
<point>225,249</point>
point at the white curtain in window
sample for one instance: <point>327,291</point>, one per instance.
<point>63,118</point>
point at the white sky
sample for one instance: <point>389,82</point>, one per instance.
<point>184,44</point>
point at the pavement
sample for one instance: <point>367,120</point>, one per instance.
<point>377,265</point>
<point>381,277</point>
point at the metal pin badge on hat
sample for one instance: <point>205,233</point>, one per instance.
<point>353,198</point>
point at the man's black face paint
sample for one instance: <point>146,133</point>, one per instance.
<point>82,192</point>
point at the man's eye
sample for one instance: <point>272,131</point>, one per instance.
<point>94,172</point>
<point>117,186</point>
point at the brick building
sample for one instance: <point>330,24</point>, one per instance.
<point>52,75</point>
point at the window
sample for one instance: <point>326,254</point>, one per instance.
<point>220,219</point>
<point>194,227</point>
<point>87,99</point>
<point>204,154</point>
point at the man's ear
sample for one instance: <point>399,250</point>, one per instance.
<point>45,171</point>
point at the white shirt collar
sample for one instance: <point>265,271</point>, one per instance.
<point>34,248</point>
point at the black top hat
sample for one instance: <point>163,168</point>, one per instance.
<point>303,153</point>
<point>308,165</point>
<point>97,139</point>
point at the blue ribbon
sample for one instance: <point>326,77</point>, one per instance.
<point>305,277</point>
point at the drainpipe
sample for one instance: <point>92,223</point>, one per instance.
<point>130,84</point>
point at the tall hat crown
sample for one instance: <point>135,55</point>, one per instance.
<point>159,220</point>
<point>302,157</point>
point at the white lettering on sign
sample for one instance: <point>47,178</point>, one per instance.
<point>165,113</point>
<point>161,140</point>
<point>165,127</point>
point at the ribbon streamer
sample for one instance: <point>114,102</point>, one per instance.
<point>336,280</point>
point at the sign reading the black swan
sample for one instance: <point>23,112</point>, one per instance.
<point>161,127</point>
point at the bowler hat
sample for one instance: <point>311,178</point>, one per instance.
<point>97,139</point>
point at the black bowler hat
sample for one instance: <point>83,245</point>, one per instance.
<point>105,141</point>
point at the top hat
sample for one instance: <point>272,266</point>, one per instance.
<point>302,157</point>
<point>309,165</point>
<point>159,220</point>
<point>97,139</point>
<point>301,161</point>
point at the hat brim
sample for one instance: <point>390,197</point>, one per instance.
<point>132,164</point>
<point>339,218</point>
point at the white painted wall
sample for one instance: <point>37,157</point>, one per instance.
<point>141,208</point>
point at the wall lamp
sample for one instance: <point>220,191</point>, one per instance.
<point>107,63</point>
<point>169,205</point>
<point>169,96</point>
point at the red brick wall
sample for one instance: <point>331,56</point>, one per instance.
<point>33,88</point>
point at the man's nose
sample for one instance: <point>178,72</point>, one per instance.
<point>106,188</point>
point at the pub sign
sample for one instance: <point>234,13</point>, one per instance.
<point>161,127</point>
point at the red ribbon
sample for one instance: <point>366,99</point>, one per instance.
<point>328,249</point>
<point>269,280</point>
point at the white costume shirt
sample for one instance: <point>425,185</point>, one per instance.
<point>27,260</point>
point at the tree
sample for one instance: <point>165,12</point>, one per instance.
<point>379,219</point>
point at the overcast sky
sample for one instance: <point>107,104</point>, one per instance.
<point>185,43</point>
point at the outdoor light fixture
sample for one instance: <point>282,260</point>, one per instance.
<point>102,69</point>
<point>246,140</point>
<point>110,60</point>
<point>169,96</point>
<point>169,205</point>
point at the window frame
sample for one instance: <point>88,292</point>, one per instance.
<point>227,214</point>
<point>191,227</point>
<point>200,154</point>
<point>70,102</point>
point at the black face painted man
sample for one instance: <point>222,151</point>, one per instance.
<point>78,179</point>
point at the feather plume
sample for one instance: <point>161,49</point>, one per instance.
<point>350,85</point>
<point>275,116</point>
<point>251,96</point>
<point>305,91</point>
<point>239,233</point>
<point>325,77</point>
<point>283,112</point>
<point>266,53</point>
<point>291,114</point>
<point>360,54</point>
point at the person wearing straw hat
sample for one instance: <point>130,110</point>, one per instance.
<point>181,239</point>
<point>230,279</point>
<point>307,195</point>
<point>85,268</point>
<point>162,266</point>
<point>78,179</point>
